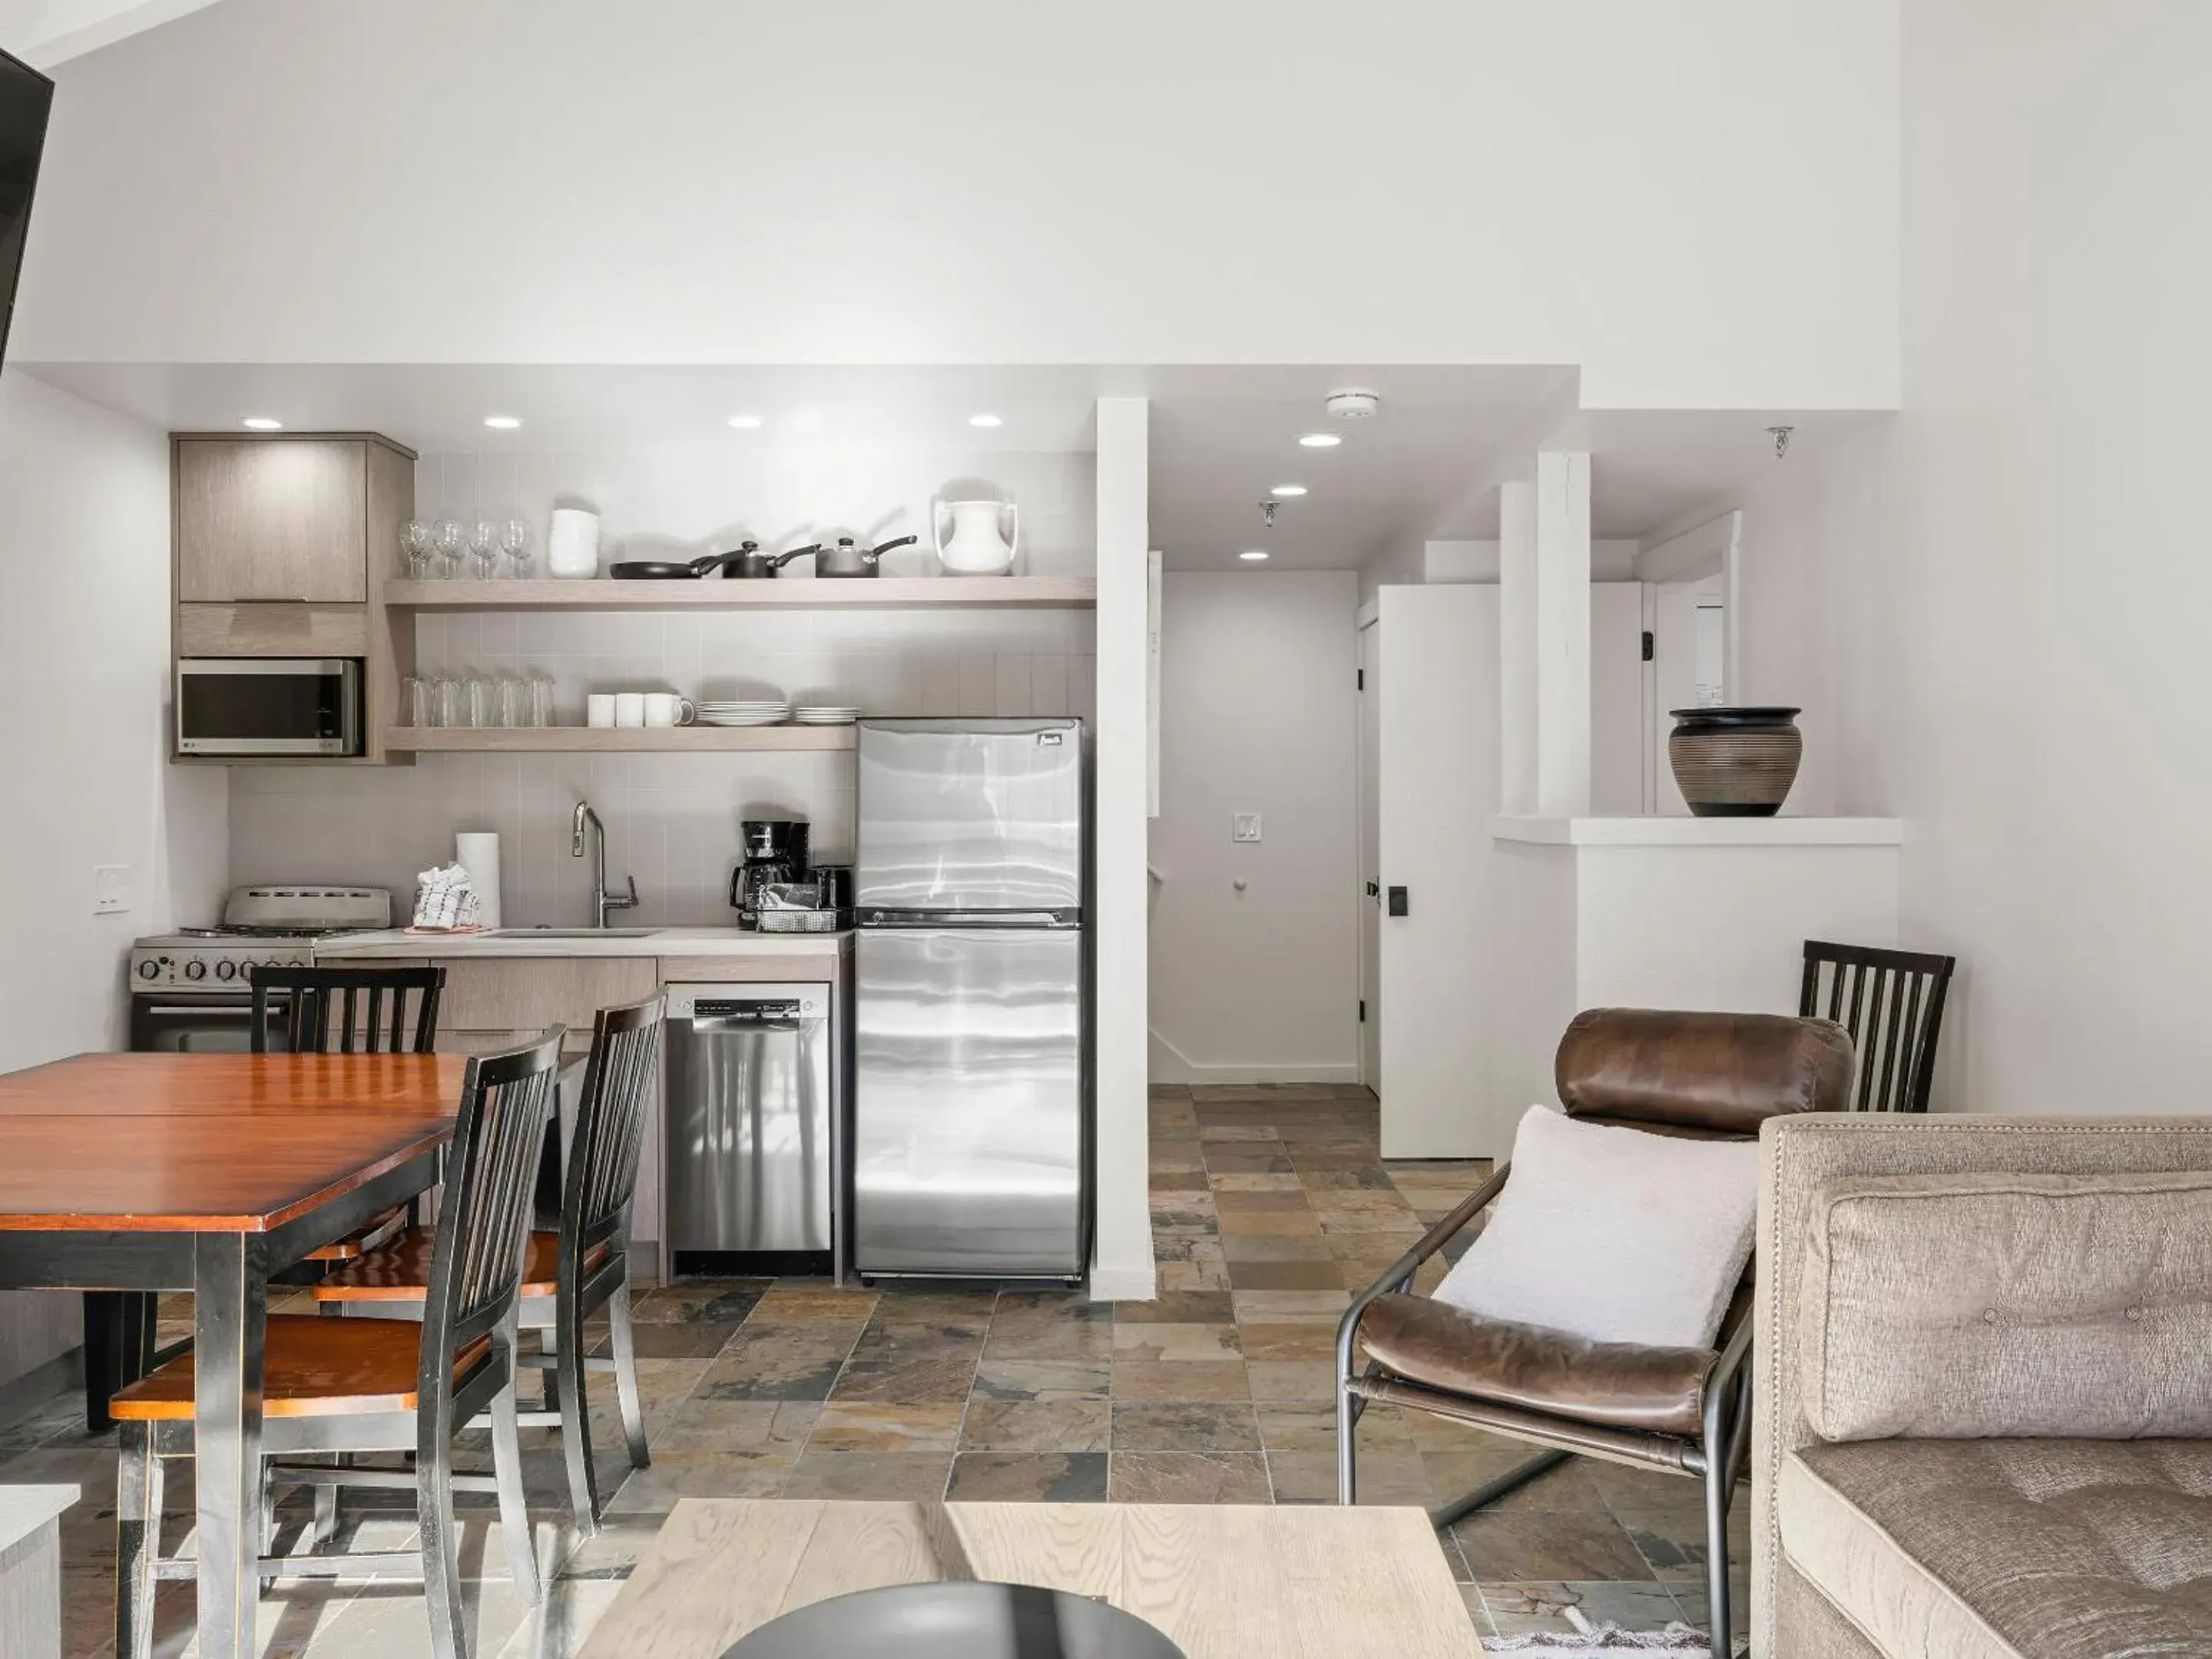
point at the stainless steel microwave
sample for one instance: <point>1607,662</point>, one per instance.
<point>269,706</point>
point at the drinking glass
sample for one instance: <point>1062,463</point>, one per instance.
<point>415,699</point>
<point>483,549</point>
<point>541,699</point>
<point>481,701</point>
<point>513,700</point>
<point>415,542</point>
<point>446,705</point>
<point>514,542</point>
<point>448,538</point>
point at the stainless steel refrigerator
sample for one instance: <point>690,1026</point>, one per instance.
<point>970,1153</point>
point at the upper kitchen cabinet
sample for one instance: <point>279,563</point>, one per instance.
<point>286,518</point>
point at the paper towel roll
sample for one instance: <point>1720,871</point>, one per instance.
<point>476,851</point>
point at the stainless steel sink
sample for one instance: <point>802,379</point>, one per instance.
<point>570,932</point>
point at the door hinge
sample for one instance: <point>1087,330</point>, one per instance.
<point>1650,645</point>
<point>1362,1011</point>
<point>1360,682</point>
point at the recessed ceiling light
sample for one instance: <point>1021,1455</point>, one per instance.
<point>501,423</point>
<point>1253,556</point>
<point>261,423</point>
<point>744,422</point>
<point>985,419</point>
<point>1288,490</point>
<point>1320,441</point>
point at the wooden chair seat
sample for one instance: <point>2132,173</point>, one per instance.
<point>400,1270</point>
<point>359,1242</point>
<point>314,1368</point>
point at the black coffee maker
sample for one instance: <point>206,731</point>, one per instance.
<point>774,851</point>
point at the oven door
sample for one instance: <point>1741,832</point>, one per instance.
<point>269,706</point>
<point>204,1022</point>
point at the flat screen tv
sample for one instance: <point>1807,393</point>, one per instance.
<point>26,95</point>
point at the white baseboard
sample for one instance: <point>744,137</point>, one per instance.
<point>1169,1064</point>
<point>1124,1282</point>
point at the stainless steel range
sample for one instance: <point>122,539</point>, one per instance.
<point>191,991</point>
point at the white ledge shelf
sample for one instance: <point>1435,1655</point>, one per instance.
<point>727,593</point>
<point>1701,832</point>
<point>615,740</point>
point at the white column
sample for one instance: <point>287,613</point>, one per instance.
<point>1516,643</point>
<point>1121,1266</point>
<point>1563,635</point>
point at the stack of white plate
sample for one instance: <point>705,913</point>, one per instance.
<point>753,711</point>
<point>826,716</point>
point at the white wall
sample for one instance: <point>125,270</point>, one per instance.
<point>84,660</point>
<point>1258,714</point>
<point>2002,594</point>
<point>991,180</point>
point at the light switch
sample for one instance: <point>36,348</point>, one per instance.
<point>1244,826</point>
<point>111,889</point>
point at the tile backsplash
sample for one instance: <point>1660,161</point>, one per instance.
<point>672,820</point>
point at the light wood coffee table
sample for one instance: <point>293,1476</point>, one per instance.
<point>1223,1581</point>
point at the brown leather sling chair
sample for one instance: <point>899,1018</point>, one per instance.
<point>1684,1411</point>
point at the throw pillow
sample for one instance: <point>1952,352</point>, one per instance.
<point>1616,1235</point>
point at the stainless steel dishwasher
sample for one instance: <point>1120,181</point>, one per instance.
<point>751,1143</point>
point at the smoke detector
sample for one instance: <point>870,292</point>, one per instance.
<point>1353,403</point>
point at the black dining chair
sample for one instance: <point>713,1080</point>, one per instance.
<point>382,1385</point>
<point>573,1272</point>
<point>1892,1003</point>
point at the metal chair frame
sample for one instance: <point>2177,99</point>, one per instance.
<point>475,1280</point>
<point>1896,1042</point>
<point>1715,1458</point>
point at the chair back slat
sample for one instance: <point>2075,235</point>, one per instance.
<point>1892,1003</point>
<point>483,1217</point>
<point>312,996</point>
<point>609,1135</point>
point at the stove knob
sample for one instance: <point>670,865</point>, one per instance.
<point>195,969</point>
<point>149,969</point>
<point>226,968</point>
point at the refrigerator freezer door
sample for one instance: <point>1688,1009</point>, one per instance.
<point>967,1103</point>
<point>970,815</point>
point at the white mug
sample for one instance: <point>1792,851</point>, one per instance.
<point>666,709</point>
<point>599,709</point>
<point>629,708</point>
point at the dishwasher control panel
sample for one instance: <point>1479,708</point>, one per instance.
<point>743,1002</point>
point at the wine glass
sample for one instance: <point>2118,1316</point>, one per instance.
<point>483,549</point>
<point>449,539</point>
<point>415,542</point>
<point>514,542</point>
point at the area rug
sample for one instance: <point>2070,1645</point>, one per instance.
<point>1594,1641</point>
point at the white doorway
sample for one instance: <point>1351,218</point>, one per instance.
<point>1690,608</point>
<point>1370,853</point>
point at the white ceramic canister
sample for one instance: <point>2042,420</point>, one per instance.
<point>572,543</point>
<point>975,547</point>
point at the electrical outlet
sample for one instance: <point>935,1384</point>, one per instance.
<point>111,889</point>
<point>1244,826</point>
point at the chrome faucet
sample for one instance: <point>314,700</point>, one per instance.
<point>602,901</point>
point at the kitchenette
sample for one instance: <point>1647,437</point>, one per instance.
<point>830,801</point>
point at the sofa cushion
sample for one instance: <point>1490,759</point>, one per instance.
<point>1618,1383</point>
<point>1616,1235</point>
<point>1968,1305</point>
<point>1993,1549</point>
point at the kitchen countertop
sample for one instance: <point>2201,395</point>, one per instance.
<point>661,942</point>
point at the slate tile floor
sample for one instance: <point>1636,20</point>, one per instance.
<point>1269,1205</point>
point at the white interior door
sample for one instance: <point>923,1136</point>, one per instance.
<point>1370,857</point>
<point>1688,627</point>
<point>1617,718</point>
<point>1437,744</point>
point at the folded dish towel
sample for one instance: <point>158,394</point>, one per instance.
<point>445,899</point>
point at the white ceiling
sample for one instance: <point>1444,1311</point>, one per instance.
<point>1426,467</point>
<point>45,33</point>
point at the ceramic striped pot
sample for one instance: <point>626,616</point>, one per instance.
<point>1734,762</point>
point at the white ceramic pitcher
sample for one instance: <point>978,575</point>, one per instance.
<point>976,547</point>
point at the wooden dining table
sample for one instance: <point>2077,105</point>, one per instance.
<point>209,1173</point>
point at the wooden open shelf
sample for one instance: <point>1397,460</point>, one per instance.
<point>618,740</point>
<point>722,593</point>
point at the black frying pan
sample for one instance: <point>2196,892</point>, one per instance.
<point>662,570</point>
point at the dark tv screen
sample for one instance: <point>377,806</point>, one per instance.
<point>26,95</point>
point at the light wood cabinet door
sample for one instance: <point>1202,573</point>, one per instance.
<point>272,519</point>
<point>528,993</point>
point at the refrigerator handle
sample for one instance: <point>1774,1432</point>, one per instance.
<point>869,917</point>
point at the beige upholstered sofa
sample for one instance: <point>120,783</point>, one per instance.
<point>1983,1388</point>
